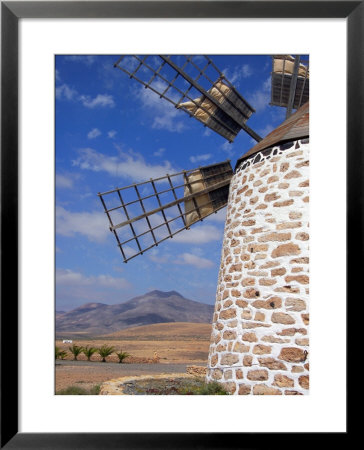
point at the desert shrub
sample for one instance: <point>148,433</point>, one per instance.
<point>105,351</point>
<point>122,355</point>
<point>72,390</point>
<point>212,388</point>
<point>75,350</point>
<point>95,390</point>
<point>174,386</point>
<point>88,352</point>
<point>77,390</point>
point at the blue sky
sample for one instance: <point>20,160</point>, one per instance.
<point>111,132</point>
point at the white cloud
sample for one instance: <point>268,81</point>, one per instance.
<point>219,217</point>
<point>199,59</point>
<point>278,114</point>
<point>127,165</point>
<point>198,234</point>
<point>156,256</point>
<point>86,59</point>
<point>67,277</point>
<point>128,251</point>
<point>193,260</point>
<point>65,92</point>
<point>99,100</point>
<point>159,152</point>
<point>58,77</point>
<point>197,158</point>
<point>94,133</point>
<point>111,282</point>
<point>246,71</point>
<point>129,62</point>
<point>237,73</point>
<point>166,122</point>
<point>141,226</point>
<point>111,134</point>
<point>86,195</point>
<point>94,225</point>
<point>260,98</point>
<point>164,113</point>
<point>227,148</point>
<point>64,181</point>
<point>266,130</point>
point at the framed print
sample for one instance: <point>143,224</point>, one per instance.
<point>36,36</point>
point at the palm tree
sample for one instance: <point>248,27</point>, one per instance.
<point>60,354</point>
<point>88,352</point>
<point>122,355</point>
<point>75,350</point>
<point>105,351</point>
<point>57,352</point>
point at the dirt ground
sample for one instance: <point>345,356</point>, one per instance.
<point>167,351</point>
<point>172,354</point>
<point>87,375</point>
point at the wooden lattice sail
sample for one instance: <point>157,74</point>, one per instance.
<point>290,82</point>
<point>143,215</point>
<point>195,85</point>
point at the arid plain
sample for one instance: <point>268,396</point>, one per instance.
<point>154,349</point>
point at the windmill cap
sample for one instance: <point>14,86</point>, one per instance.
<point>295,127</point>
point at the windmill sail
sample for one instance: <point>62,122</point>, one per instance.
<point>215,180</point>
<point>195,85</point>
<point>143,215</point>
<point>290,82</point>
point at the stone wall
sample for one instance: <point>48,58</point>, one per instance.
<point>259,342</point>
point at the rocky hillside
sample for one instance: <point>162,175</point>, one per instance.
<point>150,308</point>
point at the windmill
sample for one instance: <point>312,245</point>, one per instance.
<point>143,215</point>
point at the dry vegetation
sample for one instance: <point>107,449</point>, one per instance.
<point>174,343</point>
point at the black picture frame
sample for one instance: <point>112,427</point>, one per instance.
<point>11,12</point>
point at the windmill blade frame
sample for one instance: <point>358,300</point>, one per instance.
<point>290,82</point>
<point>216,103</point>
<point>142,215</point>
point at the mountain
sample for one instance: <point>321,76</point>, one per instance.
<point>150,308</point>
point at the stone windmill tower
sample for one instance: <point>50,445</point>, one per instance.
<point>259,340</point>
